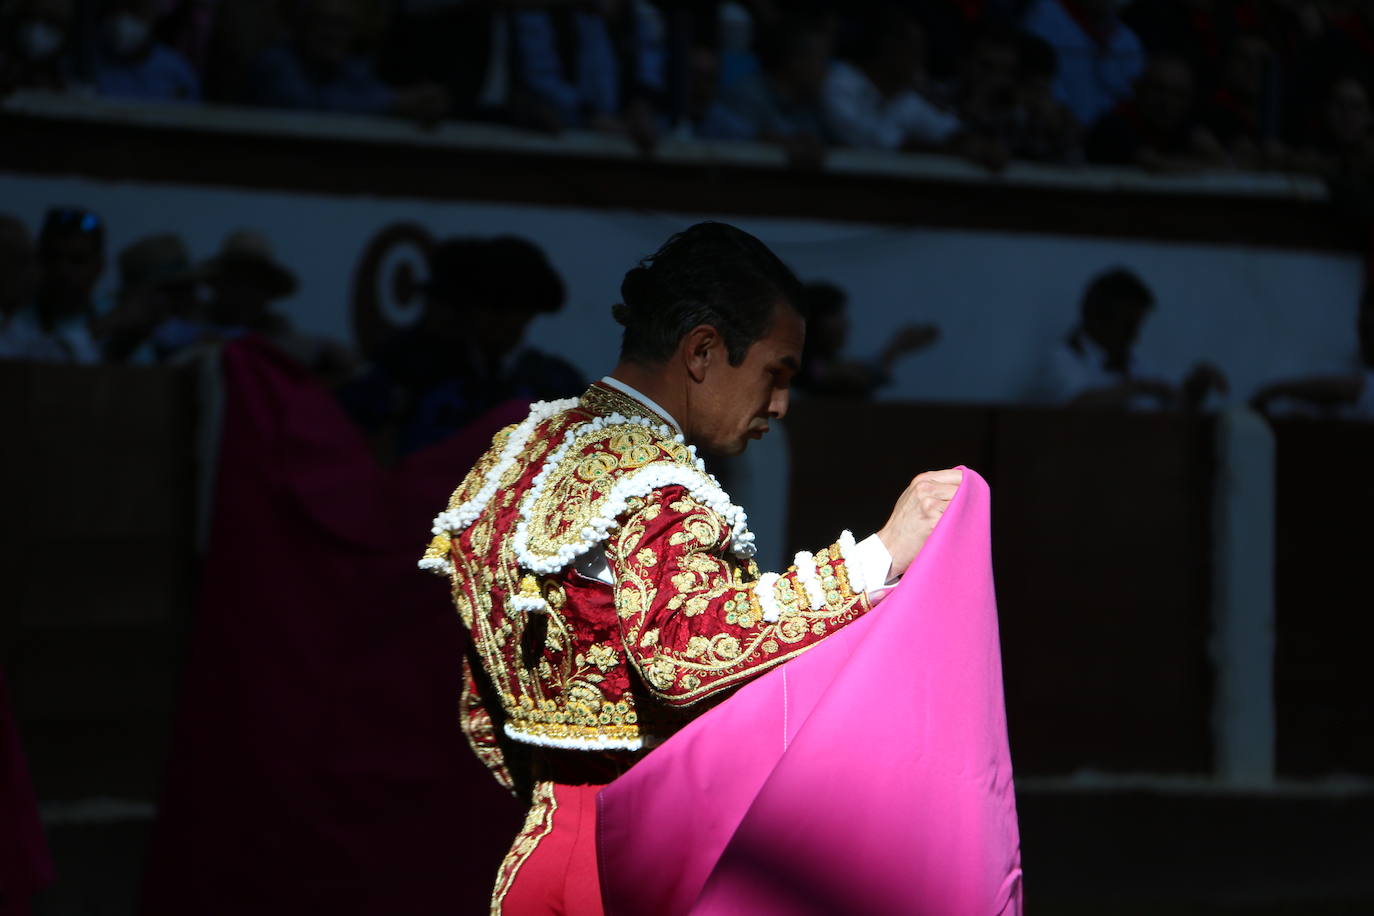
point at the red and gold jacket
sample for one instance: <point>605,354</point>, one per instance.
<point>561,659</point>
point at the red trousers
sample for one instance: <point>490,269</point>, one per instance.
<point>551,866</point>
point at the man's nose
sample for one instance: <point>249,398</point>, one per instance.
<point>777,407</point>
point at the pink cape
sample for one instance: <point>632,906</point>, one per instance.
<point>868,775</point>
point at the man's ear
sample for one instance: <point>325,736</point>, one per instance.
<point>699,349</point>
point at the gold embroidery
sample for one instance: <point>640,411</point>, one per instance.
<point>603,657</point>
<point>538,824</point>
<point>603,400</point>
<point>574,491</point>
<point>705,575</point>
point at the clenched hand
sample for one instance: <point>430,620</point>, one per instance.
<point>915,515</point>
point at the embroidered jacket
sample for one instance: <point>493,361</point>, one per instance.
<point>565,660</point>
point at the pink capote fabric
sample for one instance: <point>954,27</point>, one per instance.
<point>868,775</point>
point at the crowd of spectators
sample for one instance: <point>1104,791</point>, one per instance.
<point>417,384</point>
<point>1162,84</point>
<point>411,388</point>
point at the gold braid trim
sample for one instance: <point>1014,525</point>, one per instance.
<point>538,824</point>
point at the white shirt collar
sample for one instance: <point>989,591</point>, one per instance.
<point>1096,355</point>
<point>644,399</point>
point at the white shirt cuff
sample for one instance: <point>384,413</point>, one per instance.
<point>875,566</point>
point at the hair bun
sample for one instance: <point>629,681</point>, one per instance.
<point>621,313</point>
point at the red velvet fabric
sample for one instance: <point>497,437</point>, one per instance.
<point>25,866</point>
<point>317,762</point>
<point>560,877</point>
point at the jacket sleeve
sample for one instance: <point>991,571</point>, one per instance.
<point>480,731</point>
<point>697,621</point>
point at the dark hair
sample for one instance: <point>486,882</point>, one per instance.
<point>1108,290</point>
<point>505,272</point>
<point>68,221</point>
<point>1039,60</point>
<point>711,273</point>
<point>876,31</point>
<point>777,45</point>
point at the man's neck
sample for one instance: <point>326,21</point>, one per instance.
<point>654,385</point>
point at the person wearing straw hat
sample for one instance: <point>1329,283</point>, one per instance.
<point>245,280</point>
<point>156,307</point>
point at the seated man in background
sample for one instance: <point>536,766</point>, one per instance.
<point>569,67</point>
<point>783,103</point>
<point>18,281</point>
<point>132,64</point>
<point>1096,365</point>
<point>1099,56</point>
<point>71,258</point>
<point>875,101</point>
<point>1157,129</point>
<point>465,356</point>
<point>825,372</point>
<point>35,38</point>
<point>156,299</point>
<point>321,69</point>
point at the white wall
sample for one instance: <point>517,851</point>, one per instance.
<point>1003,300</point>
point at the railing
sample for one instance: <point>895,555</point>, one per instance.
<point>328,153</point>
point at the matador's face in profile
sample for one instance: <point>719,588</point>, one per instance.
<point>734,404</point>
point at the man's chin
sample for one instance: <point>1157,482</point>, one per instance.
<point>725,449</point>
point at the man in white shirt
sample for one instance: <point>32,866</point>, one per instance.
<point>874,103</point>
<point>1096,365</point>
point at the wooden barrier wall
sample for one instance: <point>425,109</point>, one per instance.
<point>1325,597</point>
<point>1100,547</point>
<point>96,560</point>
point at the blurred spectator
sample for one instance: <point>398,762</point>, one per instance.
<point>131,63</point>
<point>1006,99</point>
<point>568,63</point>
<point>71,258</point>
<point>18,282</point>
<point>321,68</point>
<point>825,371</point>
<point>875,102</point>
<point>34,38</point>
<point>465,356</point>
<point>1199,31</point>
<point>156,301</point>
<point>240,32</point>
<point>733,32</point>
<point>1099,56</point>
<point>1157,129</point>
<point>187,26</point>
<point>1045,130</point>
<point>706,117</point>
<point>1339,142</point>
<point>782,103</point>
<point>1096,365</point>
<point>1238,112</point>
<point>1347,395</point>
<point>245,280</point>
<point>460,45</point>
